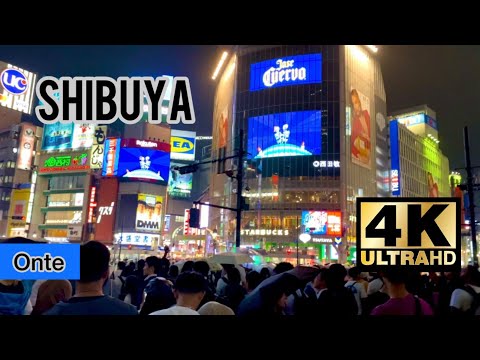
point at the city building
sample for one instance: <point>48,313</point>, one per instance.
<point>18,145</point>
<point>316,137</point>
<point>419,168</point>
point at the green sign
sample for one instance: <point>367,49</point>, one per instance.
<point>61,161</point>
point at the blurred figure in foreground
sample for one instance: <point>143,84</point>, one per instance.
<point>466,300</point>
<point>215,308</point>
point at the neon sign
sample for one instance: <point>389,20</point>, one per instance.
<point>66,163</point>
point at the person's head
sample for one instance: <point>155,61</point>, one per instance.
<point>354,273</point>
<point>187,266</point>
<point>163,265</point>
<point>201,267</point>
<point>471,275</point>
<point>215,308</point>
<point>319,282</point>
<point>356,103</point>
<point>121,265</point>
<point>253,280</point>
<point>140,265</point>
<point>335,277</point>
<point>94,264</point>
<point>265,273</point>
<point>173,271</point>
<point>50,293</point>
<point>151,266</point>
<point>233,275</point>
<point>282,267</point>
<point>189,289</point>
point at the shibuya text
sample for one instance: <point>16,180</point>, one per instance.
<point>102,100</point>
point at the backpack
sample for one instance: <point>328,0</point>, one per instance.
<point>352,288</point>
<point>475,307</point>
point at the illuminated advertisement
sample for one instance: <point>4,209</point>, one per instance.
<point>106,206</point>
<point>149,212</point>
<point>360,139</point>
<point>83,136</point>
<point>17,88</point>
<point>284,134</point>
<point>432,186</point>
<point>57,136</point>
<point>322,222</point>
<point>18,212</point>
<point>418,119</point>
<point>143,164</point>
<point>26,146</point>
<point>395,159</point>
<point>77,162</point>
<point>98,147</point>
<point>110,160</point>
<point>182,144</point>
<point>291,70</point>
<point>146,144</point>
<point>135,239</point>
<point>179,185</point>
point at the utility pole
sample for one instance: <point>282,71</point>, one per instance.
<point>471,198</point>
<point>239,190</point>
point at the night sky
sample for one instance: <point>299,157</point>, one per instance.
<point>444,77</point>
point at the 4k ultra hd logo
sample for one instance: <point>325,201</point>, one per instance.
<point>423,233</point>
<point>102,100</point>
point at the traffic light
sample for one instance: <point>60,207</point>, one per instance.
<point>182,170</point>
<point>18,218</point>
<point>194,221</point>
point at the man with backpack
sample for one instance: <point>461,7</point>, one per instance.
<point>355,285</point>
<point>466,300</point>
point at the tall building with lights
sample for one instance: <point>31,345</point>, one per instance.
<point>419,168</point>
<point>316,138</point>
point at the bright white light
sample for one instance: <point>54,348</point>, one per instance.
<point>15,150</point>
<point>219,65</point>
<point>373,48</point>
<point>358,53</point>
<point>305,238</point>
<point>34,235</point>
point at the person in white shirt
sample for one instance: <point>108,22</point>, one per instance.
<point>357,288</point>
<point>189,291</point>
<point>462,300</point>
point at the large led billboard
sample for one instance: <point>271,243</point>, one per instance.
<point>59,136</point>
<point>136,163</point>
<point>179,186</point>
<point>285,134</point>
<point>17,88</point>
<point>322,222</point>
<point>182,145</point>
<point>149,212</point>
<point>289,70</point>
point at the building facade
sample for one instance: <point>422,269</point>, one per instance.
<point>314,119</point>
<point>419,168</point>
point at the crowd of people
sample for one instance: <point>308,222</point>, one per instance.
<point>155,287</point>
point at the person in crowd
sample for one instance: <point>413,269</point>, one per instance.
<point>355,285</point>
<point>253,280</point>
<point>336,300</point>
<point>132,291</point>
<point>158,296</point>
<point>265,273</point>
<point>448,282</point>
<point>305,303</point>
<point>215,308</point>
<point>203,268</point>
<point>139,269</point>
<point>33,296</point>
<point>401,301</point>
<point>89,298</point>
<point>282,267</point>
<point>376,293</point>
<point>117,282</point>
<point>51,292</point>
<point>466,300</point>
<point>150,269</point>
<point>173,273</point>
<point>129,269</point>
<point>233,293</point>
<point>189,291</point>
<point>188,266</point>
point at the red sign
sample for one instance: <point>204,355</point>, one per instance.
<point>186,222</point>
<point>92,204</point>
<point>146,144</point>
<point>334,223</point>
<point>106,205</point>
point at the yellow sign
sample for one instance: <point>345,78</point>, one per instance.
<point>149,213</point>
<point>18,212</point>
<point>423,233</point>
<point>180,144</point>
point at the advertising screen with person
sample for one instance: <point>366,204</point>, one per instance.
<point>360,140</point>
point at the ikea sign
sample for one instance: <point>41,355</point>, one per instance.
<point>182,145</point>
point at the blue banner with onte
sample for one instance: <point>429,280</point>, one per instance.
<point>288,70</point>
<point>394,153</point>
<point>40,261</point>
